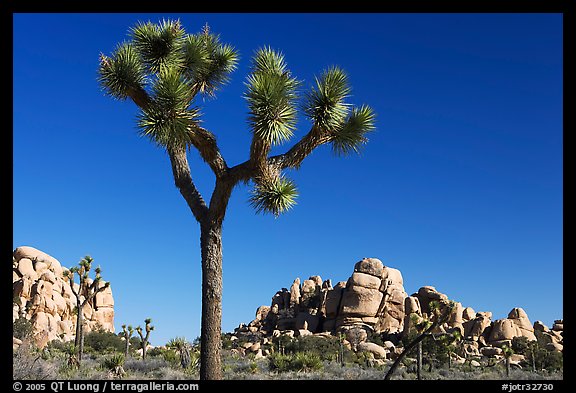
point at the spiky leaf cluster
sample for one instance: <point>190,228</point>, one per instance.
<point>326,107</point>
<point>271,96</point>
<point>274,196</point>
<point>208,62</point>
<point>159,45</point>
<point>352,134</point>
<point>168,67</point>
<point>169,120</point>
<point>326,102</point>
<point>121,73</point>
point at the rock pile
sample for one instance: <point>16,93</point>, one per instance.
<point>44,297</point>
<point>373,300</point>
<point>372,297</point>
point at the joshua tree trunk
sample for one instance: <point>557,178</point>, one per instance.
<point>419,361</point>
<point>210,338</point>
<point>78,340</point>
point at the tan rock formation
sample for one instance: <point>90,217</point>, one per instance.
<point>43,296</point>
<point>373,300</point>
<point>516,325</point>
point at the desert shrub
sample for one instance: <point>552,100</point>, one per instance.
<point>27,364</point>
<point>101,341</point>
<point>327,348</point>
<point>250,367</point>
<point>168,373</point>
<point>299,361</point>
<point>22,328</point>
<point>535,351</point>
<point>520,345</point>
<point>171,357</point>
<point>279,362</point>
<point>58,349</point>
<point>146,366</point>
<point>154,352</point>
<point>307,361</point>
<point>376,338</point>
<point>227,342</point>
<point>548,360</point>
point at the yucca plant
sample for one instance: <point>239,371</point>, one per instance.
<point>163,70</point>
<point>115,365</point>
<point>84,294</point>
<point>182,347</point>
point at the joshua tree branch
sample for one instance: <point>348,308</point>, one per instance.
<point>293,158</point>
<point>184,183</point>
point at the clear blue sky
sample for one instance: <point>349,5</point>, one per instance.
<point>460,187</point>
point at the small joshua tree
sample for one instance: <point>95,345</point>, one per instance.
<point>127,336</point>
<point>507,352</point>
<point>440,313</point>
<point>86,292</point>
<point>144,337</point>
<point>449,341</point>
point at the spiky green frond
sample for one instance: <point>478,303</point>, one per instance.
<point>177,343</point>
<point>168,127</point>
<point>196,57</point>
<point>148,321</point>
<point>168,120</point>
<point>221,61</point>
<point>171,89</point>
<point>271,95</point>
<point>271,101</point>
<point>325,104</point>
<point>274,196</point>
<point>352,135</point>
<point>268,61</point>
<point>121,72</point>
<point>159,45</point>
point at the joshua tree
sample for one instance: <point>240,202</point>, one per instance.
<point>440,312</point>
<point>449,340</point>
<point>87,290</point>
<point>162,69</point>
<point>127,335</point>
<point>507,352</point>
<point>144,337</point>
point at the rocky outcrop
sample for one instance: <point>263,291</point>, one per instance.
<point>553,339</point>
<point>516,325</point>
<point>373,300</point>
<point>373,297</point>
<point>44,297</point>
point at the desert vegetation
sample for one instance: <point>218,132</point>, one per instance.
<point>308,357</point>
